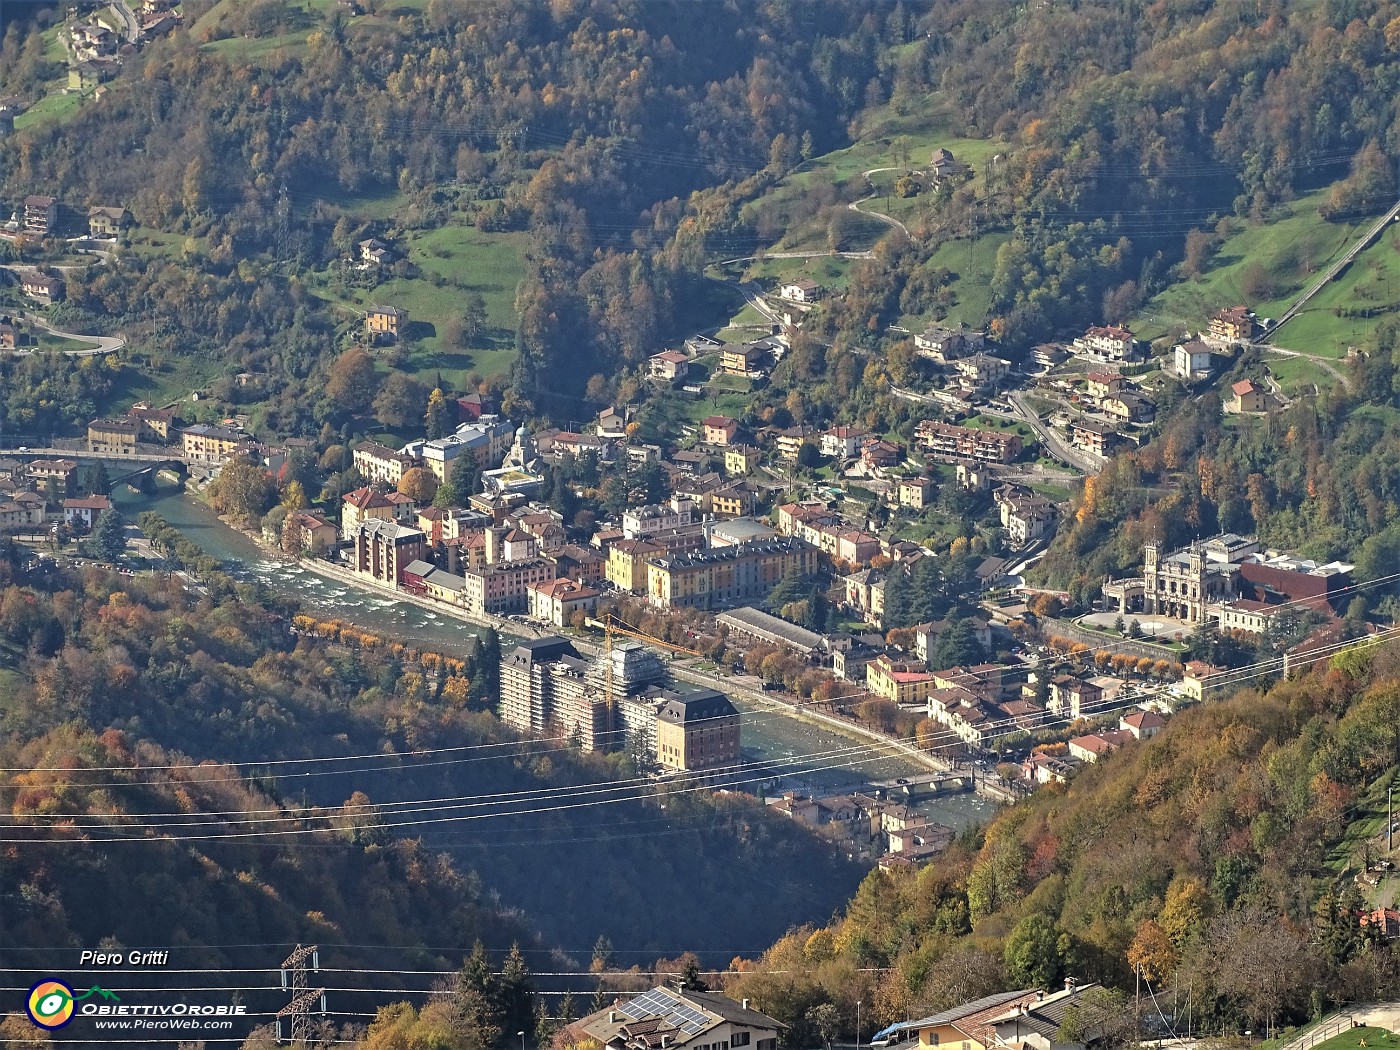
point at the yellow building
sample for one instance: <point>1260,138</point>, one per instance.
<point>113,436</point>
<point>627,564</point>
<point>973,1025</point>
<point>709,579</point>
<point>697,731</point>
<point>205,443</point>
<point>385,323</point>
<point>914,492</point>
<point>904,683</point>
<point>732,502</point>
<point>741,459</point>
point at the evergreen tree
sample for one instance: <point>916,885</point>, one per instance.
<point>898,598</point>
<point>465,477</point>
<point>97,481</point>
<point>926,598</point>
<point>515,994</point>
<point>818,613</point>
<point>601,998</point>
<point>791,588</point>
<point>109,535</point>
<point>475,999</point>
<point>959,646</point>
<point>441,416</point>
<point>690,979</point>
<point>488,651</point>
<point>51,494</point>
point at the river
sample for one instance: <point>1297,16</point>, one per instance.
<point>807,753</point>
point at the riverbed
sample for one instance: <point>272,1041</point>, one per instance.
<point>805,757</point>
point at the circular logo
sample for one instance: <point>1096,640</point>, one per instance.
<point>50,1004</point>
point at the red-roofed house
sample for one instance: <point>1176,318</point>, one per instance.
<point>1385,920</point>
<point>360,506</point>
<point>556,601</point>
<point>669,365</point>
<point>719,430</point>
<point>904,683</point>
<point>1092,747</point>
<point>1248,397</point>
<point>1142,724</point>
<point>83,512</point>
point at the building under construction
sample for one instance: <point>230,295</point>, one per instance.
<point>616,702</point>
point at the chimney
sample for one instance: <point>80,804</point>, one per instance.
<point>1071,983</point>
<point>746,1004</point>
<point>612,1017</point>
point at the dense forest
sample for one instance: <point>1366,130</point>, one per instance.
<point>1217,856</point>
<point>222,676</point>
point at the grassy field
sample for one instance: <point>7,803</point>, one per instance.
<point>1356,1038</point>
<point>1370,283</point>
<point>57,106</point>
<point>1292,249</point>
<point>456,261</point>
<point>49,343</point>
<point>971,264</point>
<point>889,141</point>
<point>832,272</point>
<point>1298,375</point>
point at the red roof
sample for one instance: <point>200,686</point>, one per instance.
<point>1145,720</point>
<point>366,498</point>
<point>1244,386</point>
<point>720,422</point>
<point>565,589</point>
<point>88,503</point>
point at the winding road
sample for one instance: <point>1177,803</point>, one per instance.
<point>101,344</point>
<point>856,205</point>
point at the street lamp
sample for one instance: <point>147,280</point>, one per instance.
<point>857,1024</point>
<point>522,1040</point>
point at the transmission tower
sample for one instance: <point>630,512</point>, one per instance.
<point>303,998</point>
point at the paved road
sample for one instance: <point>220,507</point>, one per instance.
<point>1056,446</point>
<point>797,255</point>
<point>101,344</point>
<point>856,205</point>
<point>1052,442</point>
<point>133,27</point>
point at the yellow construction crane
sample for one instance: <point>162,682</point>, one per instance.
<point>611,625</point>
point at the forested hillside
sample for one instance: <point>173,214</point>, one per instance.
<point>105,670</point>
<point>586,124</point>
<point>1217,856</point>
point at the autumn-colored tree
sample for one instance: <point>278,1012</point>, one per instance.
<point>1152,953</point>
<point>294,496</point>
<point>243,491</point>
<point>418,484</point>
<point>441,416</point>
<point>351,383</point>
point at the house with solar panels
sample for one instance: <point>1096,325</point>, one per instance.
<point>668,1019</point>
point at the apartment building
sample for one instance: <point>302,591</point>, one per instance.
<point>708,579</point>
<point>946,441</point>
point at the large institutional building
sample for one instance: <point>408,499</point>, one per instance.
<point>1225,577</point>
